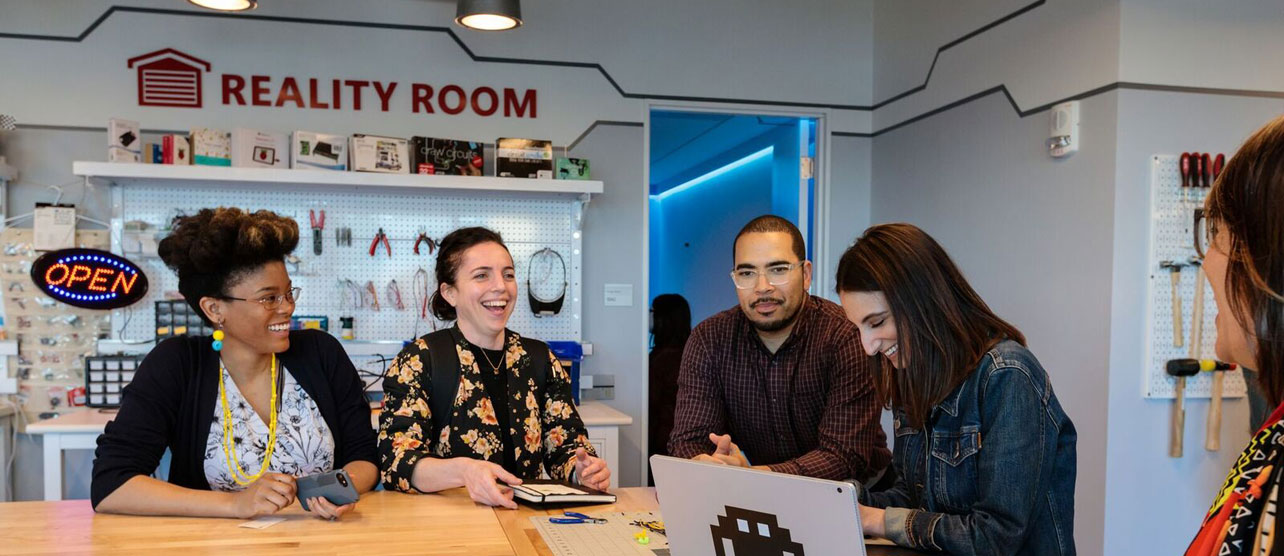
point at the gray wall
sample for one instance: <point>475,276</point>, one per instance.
<point>1156,503</point>
<point>1028,232</point>
<point>613,242</point>
<point>846,212</point>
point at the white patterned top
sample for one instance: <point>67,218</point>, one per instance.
<point>304,444</point>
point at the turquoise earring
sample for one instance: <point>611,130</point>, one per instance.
<point>218,340</point>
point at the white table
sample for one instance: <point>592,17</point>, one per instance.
<point>77,430</point>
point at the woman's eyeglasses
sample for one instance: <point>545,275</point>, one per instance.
<point>271,302</point>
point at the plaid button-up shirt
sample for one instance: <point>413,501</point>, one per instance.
<point>808,409</point>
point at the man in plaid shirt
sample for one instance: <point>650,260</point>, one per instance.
<point>783,373</point>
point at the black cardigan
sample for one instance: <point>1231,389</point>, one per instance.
<point>170,404</point>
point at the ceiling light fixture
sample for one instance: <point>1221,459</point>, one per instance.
<point>489,15</point>
<point>227,5</point>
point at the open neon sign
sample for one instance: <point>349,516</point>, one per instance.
<point>89,278</point>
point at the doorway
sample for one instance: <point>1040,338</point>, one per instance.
<point>708,174</point>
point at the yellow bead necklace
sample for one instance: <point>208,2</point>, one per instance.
<point>229,450</point>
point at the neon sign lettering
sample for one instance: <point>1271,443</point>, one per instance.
<point>89,278</point>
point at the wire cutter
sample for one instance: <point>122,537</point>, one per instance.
<point>575,517</point>
<point>423,238</point>
<point>380,237</point>
<point>317,227</point>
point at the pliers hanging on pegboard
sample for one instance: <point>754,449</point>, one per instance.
<point>380,237</point>
<point>423,238</point>
<point>317,227</point>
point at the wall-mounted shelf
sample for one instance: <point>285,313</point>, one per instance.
<point>125,174</point>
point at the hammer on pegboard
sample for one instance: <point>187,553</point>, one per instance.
<point>1174,271</point>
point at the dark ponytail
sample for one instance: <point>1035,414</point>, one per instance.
<point>449,255</point>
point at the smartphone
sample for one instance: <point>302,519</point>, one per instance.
<point>334,486</point>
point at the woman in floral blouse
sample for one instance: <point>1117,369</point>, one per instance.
<point>511,418</point>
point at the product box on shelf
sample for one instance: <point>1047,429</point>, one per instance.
<point>211,147</point>
<point>319,151</point>
<point>373,153</point>
<point>523,158</point>
<point>175,150</point>
<point>124,141</point>
<point>252,148</point>
<point>429,155</point>
<point>153,153</point>
<point>572,168</point>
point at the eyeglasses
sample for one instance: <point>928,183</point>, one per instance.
<point>271,302</point>
<point>777,275</point>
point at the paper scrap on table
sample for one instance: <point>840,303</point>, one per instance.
<point>262,522</point>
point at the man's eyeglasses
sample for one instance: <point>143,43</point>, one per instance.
<point>777,275</point>
<point>271,302</point>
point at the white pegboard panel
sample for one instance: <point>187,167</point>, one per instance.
<point>1172,238</point>
<point>527,222</point>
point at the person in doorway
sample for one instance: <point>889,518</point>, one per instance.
<point>670,328</point>
<point>1244,260</point>
<point>243,413</point>
<point>476,403</point>
<point>781,374</point>
<point>984,455</point>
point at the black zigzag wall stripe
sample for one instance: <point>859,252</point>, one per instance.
<point>493,59</point>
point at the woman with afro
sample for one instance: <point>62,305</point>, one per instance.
<point>247,411</point>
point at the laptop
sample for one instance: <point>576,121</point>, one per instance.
<point>717,510</point>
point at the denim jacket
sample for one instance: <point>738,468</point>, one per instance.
<point>994,471</point>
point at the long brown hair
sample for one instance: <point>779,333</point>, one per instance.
<point>1247,202</point>
<point>943,328</point>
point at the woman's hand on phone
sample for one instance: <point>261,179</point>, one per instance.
<point>324,509</point>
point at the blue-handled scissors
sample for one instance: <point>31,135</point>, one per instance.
<point>575,517</point>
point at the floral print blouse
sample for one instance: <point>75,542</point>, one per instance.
<point>550,429</point>
<point>304,443</point>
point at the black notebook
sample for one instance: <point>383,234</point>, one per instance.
<point>557,492</point>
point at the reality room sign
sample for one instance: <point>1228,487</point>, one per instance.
<point>89,278</point>
<point>172,78</point>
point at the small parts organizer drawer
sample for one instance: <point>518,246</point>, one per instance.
<point>176,318</point>
<point>106,375</point>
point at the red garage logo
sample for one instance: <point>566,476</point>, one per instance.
<point>169,78</point>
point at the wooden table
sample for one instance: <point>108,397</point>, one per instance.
<point>79,430</point>
<point>383,523</point>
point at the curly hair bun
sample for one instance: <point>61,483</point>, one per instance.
<point>212,249</point>
<point>221,239</point>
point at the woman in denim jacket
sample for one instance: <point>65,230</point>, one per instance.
<point>985,456</point>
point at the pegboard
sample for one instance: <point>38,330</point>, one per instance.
<point>527,222</point>
<point>53,338</point>
<point>1172,239</point>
